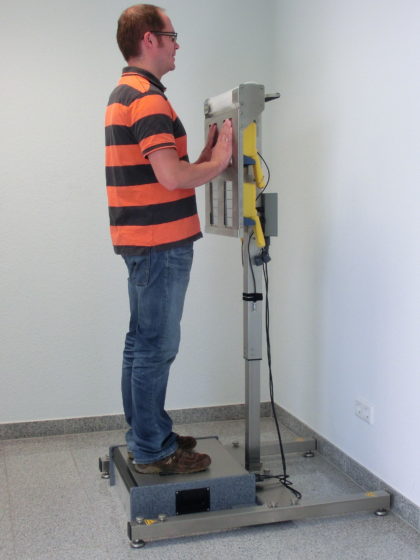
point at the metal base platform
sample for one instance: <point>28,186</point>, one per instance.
<point>226,484</point>
<point>227,496</point>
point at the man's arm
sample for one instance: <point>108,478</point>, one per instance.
<point>174,173</point>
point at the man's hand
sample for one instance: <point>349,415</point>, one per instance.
<point>214,138</point>
<point>222,151</point>
<point>211,140</point>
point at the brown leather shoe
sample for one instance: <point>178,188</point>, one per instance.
<point>180,462</point>
<point>184,442</point>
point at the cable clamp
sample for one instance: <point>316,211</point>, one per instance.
<point>252,297</point>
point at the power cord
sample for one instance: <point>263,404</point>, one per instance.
<point>251,265</point>
<point>283,478</point>
<point>268,173</point>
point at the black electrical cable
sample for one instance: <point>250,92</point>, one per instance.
<point>269,176</point>
<point>283,478</point>
<point>250,263</point>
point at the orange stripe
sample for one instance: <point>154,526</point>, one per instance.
<point>181,146</point>
<point>150,236</point>
<point>130,154</point>
<point>151,105</point>
<point>144,195</point>
<point>120,114</point>
<point>116,156</point>
<point>137,82</point>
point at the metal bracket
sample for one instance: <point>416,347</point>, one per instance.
<point>104,466</point>
<point>200,523</point>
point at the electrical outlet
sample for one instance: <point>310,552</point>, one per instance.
<point>364,411</point>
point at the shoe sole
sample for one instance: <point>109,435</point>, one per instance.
<point>155,470</point>
<point>188,448</point>
<point>180,462</point>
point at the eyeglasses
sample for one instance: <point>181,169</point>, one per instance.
<point>170,34</point>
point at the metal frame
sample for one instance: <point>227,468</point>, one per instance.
<point>275,504</point>
<point>252,333</point>
<point>201,523</point>
<point>243,105</point>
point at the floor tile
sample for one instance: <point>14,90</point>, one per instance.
<point>32,446</point>
<point>39,469</point>
<point>96,440</point>
<point>6,533</point>
<point>60,530</point>
<point>7,551</point>
<point>57,507</point>
<point>4,493</point>
<point>78,554</point>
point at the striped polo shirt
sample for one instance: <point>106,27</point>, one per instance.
<point>140,120</point>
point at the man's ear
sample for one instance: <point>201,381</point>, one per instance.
<point>148,39</point>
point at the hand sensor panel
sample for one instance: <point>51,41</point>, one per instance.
<point>243,105</point>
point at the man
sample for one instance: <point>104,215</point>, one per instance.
<point>154,222</point>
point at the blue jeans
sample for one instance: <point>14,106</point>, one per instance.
<point>157,284</point>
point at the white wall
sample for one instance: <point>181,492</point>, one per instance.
<point>347,260</point>
<point>64,306</point>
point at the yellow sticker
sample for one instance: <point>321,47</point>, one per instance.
<point>150,521</point>
<point>370,494</point>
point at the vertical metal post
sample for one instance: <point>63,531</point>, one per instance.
<point>252,314</point>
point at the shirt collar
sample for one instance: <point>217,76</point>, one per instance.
<point>148,75</point>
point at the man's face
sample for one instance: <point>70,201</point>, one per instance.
<point>167,47</point>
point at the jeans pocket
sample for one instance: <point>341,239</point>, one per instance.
<point>181,258</point>
<point>138,268</point>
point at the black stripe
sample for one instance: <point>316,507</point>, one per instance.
<point>154,214</point>
<point>152,125</point>
<point>178,128</point>
<point>129,175</point>
<point>141,250</point>
<point>119,135</point>
<point>125,95</point>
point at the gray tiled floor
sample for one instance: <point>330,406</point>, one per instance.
<point>55,506</point>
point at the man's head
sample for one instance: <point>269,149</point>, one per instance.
<point>146,38</point>
<point>133,23</point>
